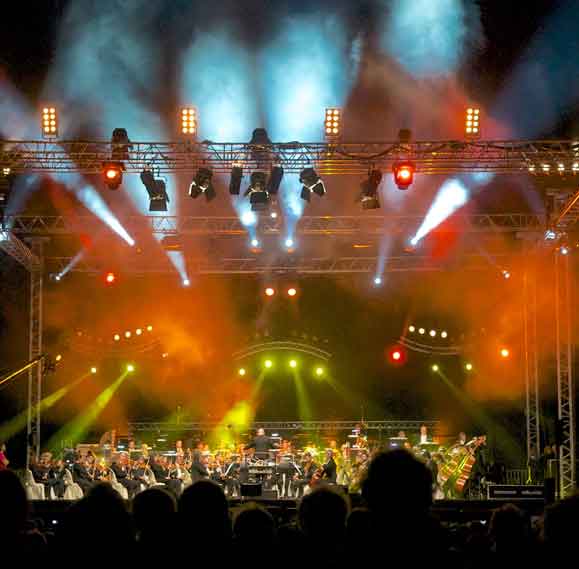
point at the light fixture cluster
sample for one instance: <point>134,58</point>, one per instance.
<point>49,122</point>
<point>412,329</point>
<point>472,123</point>
<point>269,364</point>
<point>290,291</point>
<point>188,121</point>
<point>128,334</point>
<point>333,123</point>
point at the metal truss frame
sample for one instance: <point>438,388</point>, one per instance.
<point>297,265</point>
<point>565,388</point>
<point>332,426</point>
<point>13,246</point>
<point>429,157</point>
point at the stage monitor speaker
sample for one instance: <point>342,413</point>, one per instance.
<point>251,490</point>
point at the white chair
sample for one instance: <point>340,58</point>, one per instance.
<point>117,485</point>
<point>34,490</point>
<point>151,478</point>
<point>72,490</point>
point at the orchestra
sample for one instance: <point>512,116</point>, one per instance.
<point>275,463</point>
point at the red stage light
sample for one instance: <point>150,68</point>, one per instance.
<point>396,355</point>
<point>403,174</point>
<point>113,175</point>
<point>110,278</point>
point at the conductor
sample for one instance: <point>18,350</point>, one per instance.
<point>261,443</point>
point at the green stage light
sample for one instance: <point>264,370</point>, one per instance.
<point>435,367</point>
<point>319,371</point>
<point>130,368</point>
<point>293,364</point>
<point>268,364</point>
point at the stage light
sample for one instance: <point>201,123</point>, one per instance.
<point>130,368</point>
<point>505,353</point>
<point>120,144</point>
<point>472,123</point>
<point>138,331</point>
<point>273,214</point>
<point>127,334</point>
<point>444,334</point>
<point>333,123</point>
<point>202,184</point>
<point>257,191</point>
<point>112,173</point>
<point>311,182</point>
<point>165,355</point>
<point>49,122</point>
<point>421,330</point>
<point>186,282</point>
<point>149,328</point>
<point>269,291</point>
<point>396,355</point>
<point>319,371</point>
<point>293,364</point>
<point>434,368</point>
<point>255,243</point>
<point>289,243</point>
<point>116,337</point>
<point>110,278</point>
<point>58,358</point>
<point>411,328</point>
<point>57,277</point>
<point>564,250</point>
<point>291,291</point>
<point>506,274</point>
<point>432,333</point>
<point>378,280</point>
<point>248,218</point>
<point>468,367</point>
<point>403,174</point>
<point>235,179</point>
<point>369,190</point>
<point>93,370</point>
<point>157,191</point>
<point>274,180</point>
<point>241,371</point>
<point>188,121</point>
<point>268,364</point>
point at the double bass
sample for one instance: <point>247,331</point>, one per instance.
<point>456,470</point>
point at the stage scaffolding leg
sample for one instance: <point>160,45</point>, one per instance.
<point>532,407</point>
<point>34,350</point>
<point>565,391</point>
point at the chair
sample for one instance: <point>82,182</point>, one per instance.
<point>72,490</point>
<point>34,490</point>
<point>151,478</point>
<point>118,486</point>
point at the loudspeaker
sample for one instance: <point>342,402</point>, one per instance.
<point>251,490</point>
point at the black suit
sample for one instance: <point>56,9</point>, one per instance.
<point>198,471</point>
<point>299,484</point>
<point>162,477</point>
<point>81,476</point>
<point>122,477</point>
<point>329,472</point>
<point>261,444</point>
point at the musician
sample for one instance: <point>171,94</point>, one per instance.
<point>300,482</point>
<point>198,469</point>
<point>231,476</point>
<point>122,473</point>
<point>329,469</point>
<point>139,472</point>
<point>179,451</point>
<point>81,475</point>
<point>358,471</point>
<point>423,438</point>
<point>4,462</point>
<point>285,472</point>
<point>261,443</point>
<point>159,468</point>
<point>461,438</point>
<point>56,473</point>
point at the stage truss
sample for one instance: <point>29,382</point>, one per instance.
<point>550,160</point>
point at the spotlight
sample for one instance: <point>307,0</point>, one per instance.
<point>293,364</point>
<point>505,353</point>
<point>432,333</point>
<point>110,278</point>
<point>472,123</point>
<point>443,334</point>
<point>57,277</point>
<point>112,173</point>
<point>506,274</point>
<point>127,334</point>
<point>49,122</point>
<point>241,371</point>
<point>248,218</point>
<point>378,280</point>
<point>411,328</point>
<point>255,243</point>
<point>274,180</point>
<point>369,193</point>
<point>291,291</point>
<point>332,124</point>
<point>201,184</point>
<point>434,368</point>
<point>319,371</point>
<point>269,291</point>
<point>396,355</point>
<point>130,368</point>
<point>311,182</point>
<point>235,179</point>
<point>421,330</point>
<point>273,214</point>
<point>188,121</point>
<point>564,250</point>
<point>257,192</point>
<point>157,191</point>
<point>165,355</point>
<point>289,243</point>
<point>138,331</point>
<point>268,364</point>
<point>149,328</point>
<point>58,358</point>
<point>116,337</point>
<point>93,370</point>
<point>260,147</point>
<point>468,366</point>
<point>120,144</point>
<point>403,174</point>
<point>186,282</point>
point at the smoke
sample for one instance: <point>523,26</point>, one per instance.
<point>430,38</point>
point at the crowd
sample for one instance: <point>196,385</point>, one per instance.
<point>394,527</point>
